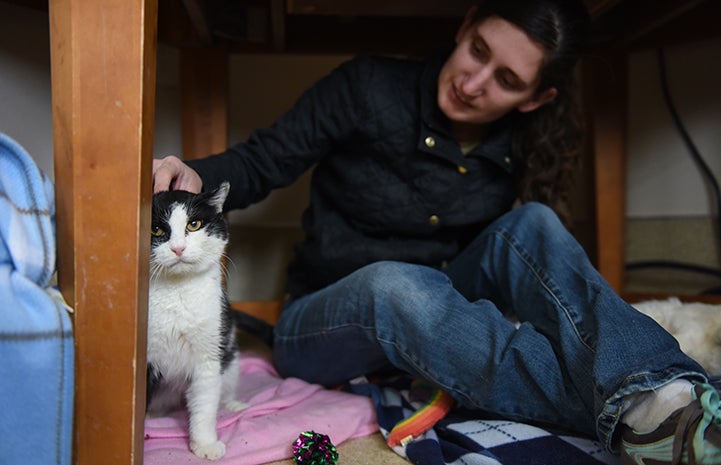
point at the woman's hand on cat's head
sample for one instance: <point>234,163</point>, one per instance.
<point>171,173</point>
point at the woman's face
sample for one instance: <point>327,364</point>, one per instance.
<point>494,69</point>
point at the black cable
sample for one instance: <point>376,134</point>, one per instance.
<point>674,265</point>
<point>706,172</point>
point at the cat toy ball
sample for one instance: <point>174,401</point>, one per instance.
<point>313,448</point>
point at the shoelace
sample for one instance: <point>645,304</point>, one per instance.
<point>694,422</point>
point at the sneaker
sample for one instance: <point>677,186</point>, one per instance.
<point>690,435</point>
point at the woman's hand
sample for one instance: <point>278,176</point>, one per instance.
<point>171,173</point>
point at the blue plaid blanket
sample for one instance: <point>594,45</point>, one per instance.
<point>467,438</point>
<point>36,345</point>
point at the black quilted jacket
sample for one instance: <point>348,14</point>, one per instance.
<point>390,182</point>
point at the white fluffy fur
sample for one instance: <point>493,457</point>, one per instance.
<point>186,298</point>
<point>696,326</point>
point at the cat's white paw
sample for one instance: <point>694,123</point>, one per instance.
<point>235,405</point>
<point>212,451</point>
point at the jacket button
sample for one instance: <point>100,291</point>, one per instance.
<point>430,142</point>
<point>462,169</point>
<point>433,220</point>
<point>507,160</point>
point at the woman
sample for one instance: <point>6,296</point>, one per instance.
<point>414,255</point>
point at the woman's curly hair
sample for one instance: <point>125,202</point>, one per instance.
<point>547,141</point>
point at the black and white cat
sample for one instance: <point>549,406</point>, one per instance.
<point>192,351</point>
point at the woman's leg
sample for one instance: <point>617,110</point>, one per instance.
<point>530,266</point>
<point>579,344</point>
<point>412,316</point>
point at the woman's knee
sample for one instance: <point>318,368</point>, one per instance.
<point>390,278</point>
<point>532,217</point>
<point>378,273</point>
<point>535,213</point>
<point>402,288</point>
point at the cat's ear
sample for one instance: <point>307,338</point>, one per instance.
<point>219,195</point>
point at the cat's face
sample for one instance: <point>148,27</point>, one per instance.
<point>188,232</point>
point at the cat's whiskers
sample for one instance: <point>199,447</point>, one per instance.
<point>155,270</point>
<point>225,259</point>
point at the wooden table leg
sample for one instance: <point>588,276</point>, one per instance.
<point>605,83</point>
<point>103,55</point>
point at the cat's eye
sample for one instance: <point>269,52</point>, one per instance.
<point>156,231</point>
<point>194,225</point>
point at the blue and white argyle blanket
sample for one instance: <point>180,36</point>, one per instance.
<point>467,438</point>
<point>36,342</point>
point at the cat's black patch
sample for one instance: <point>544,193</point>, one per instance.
<point>154,377</point>
<point>198,207</point>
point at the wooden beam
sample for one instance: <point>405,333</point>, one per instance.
<point>642,17</point>
<point>204,101</point>
<point>679,23</point>
<point>597,8</point>
<point>199,20</point>
<point>431,8</point>
<point>415,36</point>
<point>103,56</point>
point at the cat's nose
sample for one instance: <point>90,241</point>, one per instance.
<point>178,250</point>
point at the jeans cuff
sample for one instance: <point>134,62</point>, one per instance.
<point>613,409</point>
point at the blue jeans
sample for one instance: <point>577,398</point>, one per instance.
<point>578,351</point>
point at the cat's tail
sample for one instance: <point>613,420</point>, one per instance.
<point>254,326</point>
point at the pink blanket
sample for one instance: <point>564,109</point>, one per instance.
<point>280,409</point>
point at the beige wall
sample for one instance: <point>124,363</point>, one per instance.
<point>663,180</point>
